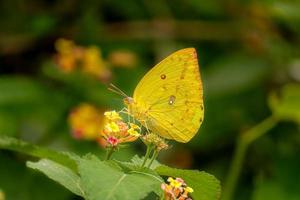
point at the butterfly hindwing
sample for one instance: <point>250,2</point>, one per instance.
<point>171,96</point>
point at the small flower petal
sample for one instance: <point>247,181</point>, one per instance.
<point>189,189</point>
<point>170,179</point>
<point>133,132</point>
<point>134,126</point>
<point>112,127</point>
<point>112,115</point>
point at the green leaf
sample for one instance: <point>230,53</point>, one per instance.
<point>59,173</point>
<point>136,163</point>
<point>19,182</point>
<point>286,105</point>
<point>13,144</point>
<point>28,91</point>
<point>206,186</point>
<point>101,180</point>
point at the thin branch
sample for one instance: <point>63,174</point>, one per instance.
<point>240,152</point>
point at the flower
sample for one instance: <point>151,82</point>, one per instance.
<point>93,63</point>
<point>112,141</point>
<point>112,127</point>
<point>176,189</point>
<point>112,115</point>
<point>156,141</point>
<point>174,182</point>
<point>189,190</point>
<point>116,131</point>
<point>86,122</point>
<point>133,132</point>
<point>65,58</point>
<point>134,126</point>
<point>88,60</point>
<point>123,127</point>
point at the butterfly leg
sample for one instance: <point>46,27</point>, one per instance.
<point>125,111</point>
<point>146,126</point>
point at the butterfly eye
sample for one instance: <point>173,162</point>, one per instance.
<point>172,100</point>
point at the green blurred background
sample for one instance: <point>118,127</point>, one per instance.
<point>247,50</point>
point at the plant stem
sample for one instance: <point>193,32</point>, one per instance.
<point>109,153</point>
<point>234,170</point>
<point>148,151</point>
<point>242,145</point>
<point>155,154</point>
<point>162,197</point>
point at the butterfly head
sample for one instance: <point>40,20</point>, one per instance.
<point>128,101</point>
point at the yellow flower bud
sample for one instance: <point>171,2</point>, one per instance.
<point>189,189</point>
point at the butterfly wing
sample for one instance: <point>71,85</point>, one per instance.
<point>170,97</point>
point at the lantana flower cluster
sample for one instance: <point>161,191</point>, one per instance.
<point>155,141</point>
<point>116,131</point>
<point>107,128</point>
<point>88,59</point>
<point>176,189</point>
<point>86,122</point>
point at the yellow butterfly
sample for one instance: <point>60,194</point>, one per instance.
<point>169,98</point>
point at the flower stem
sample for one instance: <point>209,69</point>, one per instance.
<point>109,152</point>
<point>155,154</point>
<point>148,151</point>
<point>162,197</point>
<point>242,145</point>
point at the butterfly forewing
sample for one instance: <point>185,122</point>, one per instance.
<point>170,97</point>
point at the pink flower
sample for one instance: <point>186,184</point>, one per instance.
<point>112,141</point>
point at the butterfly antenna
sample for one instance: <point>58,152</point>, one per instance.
<point>116,90</point>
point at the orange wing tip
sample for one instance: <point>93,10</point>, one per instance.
<point>187,50</point>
